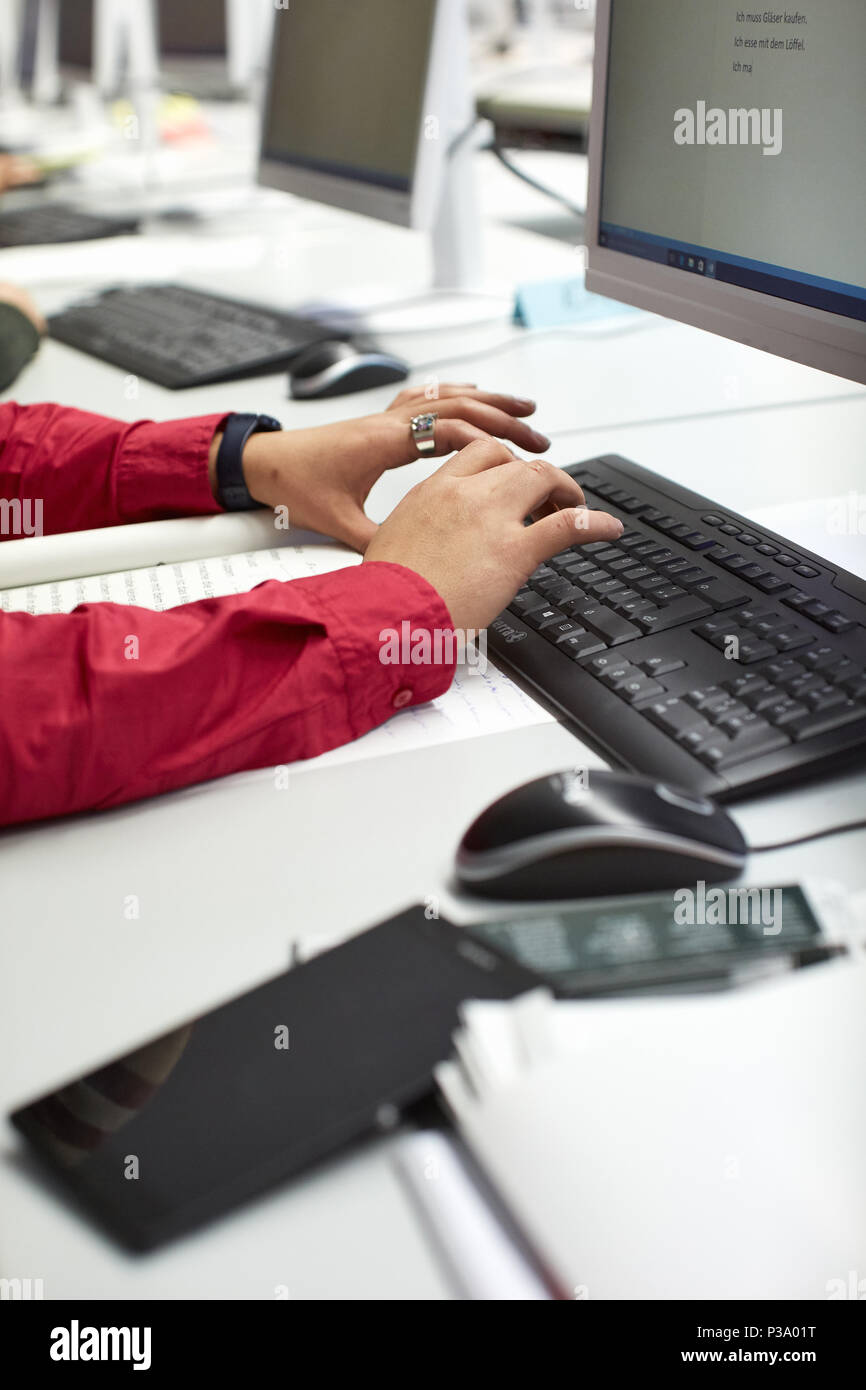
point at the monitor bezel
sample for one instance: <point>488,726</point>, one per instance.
<point>413,207</point>
<point>798,332</point>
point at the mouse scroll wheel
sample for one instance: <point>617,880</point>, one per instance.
<point>697,804</point>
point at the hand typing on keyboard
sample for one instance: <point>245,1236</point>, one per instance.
<point>463,529</point>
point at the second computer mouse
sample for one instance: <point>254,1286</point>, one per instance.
<point>592,833</point>
<point>338,368</point>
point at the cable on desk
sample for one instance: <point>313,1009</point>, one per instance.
<point>496,149</point>
<point>813,835</point>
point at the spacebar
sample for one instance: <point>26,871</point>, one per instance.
<point>607,624</point>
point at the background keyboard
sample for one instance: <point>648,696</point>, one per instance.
<point>180,337</point>
<point>698,647</point>
<point>58,222</point>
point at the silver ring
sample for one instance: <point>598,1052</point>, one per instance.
<point>422,428</point>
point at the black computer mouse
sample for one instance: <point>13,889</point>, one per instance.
<point>592,833</point>
<point>338,368</point>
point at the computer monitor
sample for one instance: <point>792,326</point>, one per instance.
<point>728,171</point>
<point>75,46</point>
<point>213,47</point>
<point>363,105</point>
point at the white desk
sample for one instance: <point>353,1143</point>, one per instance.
<point>78,983</point>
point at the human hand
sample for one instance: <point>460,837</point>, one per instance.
<point>463,528</point>
<point>324,475</point>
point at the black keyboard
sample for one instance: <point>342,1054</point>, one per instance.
<point>57,222</point>
<point>698,647</point>
<point>180,337</point>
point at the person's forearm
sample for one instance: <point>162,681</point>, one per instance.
<point>110,703</point>
<point>88,470</point>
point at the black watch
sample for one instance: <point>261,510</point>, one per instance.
<point>232,491</point>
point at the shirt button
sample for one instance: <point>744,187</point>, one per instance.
<point>403,697</point>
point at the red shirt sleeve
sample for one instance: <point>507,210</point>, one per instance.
<point>91,718</point>
<point>86,470</point>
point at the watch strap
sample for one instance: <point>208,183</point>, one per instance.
<point>232,491</point>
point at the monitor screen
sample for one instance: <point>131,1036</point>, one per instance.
<point>734,145</point>
<point>75,34</point>
<point>192,28</point>
<point>347,88</point>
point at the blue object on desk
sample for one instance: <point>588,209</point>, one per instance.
<point>548,303</point>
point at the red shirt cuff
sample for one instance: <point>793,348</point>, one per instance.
<point>393,637</point>
<point>162,469</point>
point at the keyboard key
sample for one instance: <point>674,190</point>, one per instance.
<point>727,529</point>
<point>666,593</point>
<point>603,587</point>
<point>732,562</point>
<point>572,601</point>
<point>754,738</point>
<point>641,688</point>
<point>797,600</point>
<point>841,670</point>
<point>665,523</point>
<point>826,723</point>
<point>622,597</point>
<point>543,617</point>
<point>837,622</point>
<point>816,609</point>
<point>696,540</point>
<point>553,589</point>
<point>527,602</point>
<point>819,658</point>
<point>718,592</point>
<point>754,573</point>
<point>750,652</point>
<point>713,520</point>
<point>661,665</point>
<point>698,698</point>
<point>746,538</point>
<point>787,560</point>
<point>601,666</point>
<point>576,568</point>
<point>744,686</point>
<point>609,625</point>
<point>691,577</point>
<point>801,686</point>
<point>826,697</point>
<point>852,685</point>
<point>638,572</point>
<point>646,586</point>
<point>579,645</point>
<point>789,639</point>
<point>634,609</point>
<point>676,717</point>
<point>806,571</point>
<point>682,610</point>
<point>554,632</point>
<point>783,672</point>
<point>767,549</point>
<point>784,711</point>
